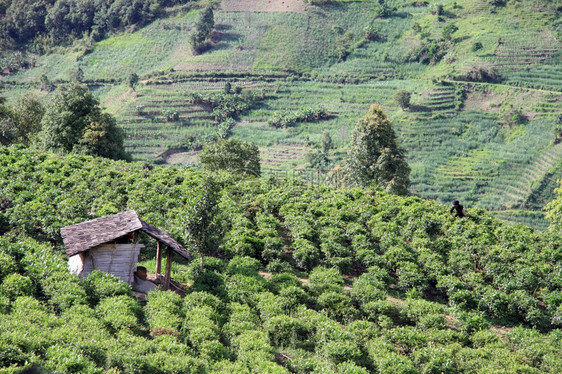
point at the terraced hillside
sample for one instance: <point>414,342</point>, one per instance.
<point>344,56</point>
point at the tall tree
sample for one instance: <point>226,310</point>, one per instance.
<point>133,80</point>
<point>375,155</point>
<point>203,28</point>
<point>27,114</point>
<point>234,155</point>
<point>202,225</point>
<point>74,122</point>
<point>20,121</point>
<point>6,133</point>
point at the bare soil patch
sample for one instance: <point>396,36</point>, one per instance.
<point>297,6</point>
<point>485,101</point>
<point>182,158</point>
<point>282,153</point>
<point>491,102</point>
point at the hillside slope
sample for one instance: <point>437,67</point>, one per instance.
<point>466,85</point>
<point>428,292</point>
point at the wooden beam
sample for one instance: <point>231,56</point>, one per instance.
<point>158,257</point>
<point>167,276</point>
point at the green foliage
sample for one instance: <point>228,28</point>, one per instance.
<point>402,98</point>
<point>63,21</point>
<point>233,155</point>
<point>404,253</point>
<point>448,31</point>
<point>200,37</point>
<point>476,46</point>
<point>303,115</point>
<point>19,123</point>
<point>16,285</point>
<point>375,155</point>
<point>74,122</point>
<point>100,285</point>
<point>511,116</point>
<point>324,279</point>
<point>163,313</point>
<point>133,80</point>
<point>119,312</point>
<point>201,228</point>
<point>8,265</point>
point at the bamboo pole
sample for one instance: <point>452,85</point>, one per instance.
<point>167,277</point>
<point>158,257</point>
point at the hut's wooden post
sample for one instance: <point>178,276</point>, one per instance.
<point>158,257</point>
<point>167,277</point>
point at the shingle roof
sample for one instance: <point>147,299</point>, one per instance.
<point>85,235</point>
<point>165,238</point>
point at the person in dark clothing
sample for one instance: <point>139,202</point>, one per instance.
<point>459,209</point>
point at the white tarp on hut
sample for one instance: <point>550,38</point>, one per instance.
<point>117,259</point>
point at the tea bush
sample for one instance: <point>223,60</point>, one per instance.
<point>420,291</point>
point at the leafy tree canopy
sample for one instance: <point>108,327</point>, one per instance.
<point>203,28</point>
<point>74,122</point>
<point>375,155</point>
<point>402,98</point>
<point>233,155</point>
<point>19,122</point>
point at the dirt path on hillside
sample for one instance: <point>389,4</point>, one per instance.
<point>297,6</point>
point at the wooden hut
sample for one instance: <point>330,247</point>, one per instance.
<point>110,244</point>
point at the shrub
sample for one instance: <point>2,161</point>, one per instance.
<point>243,288</point>
<point>163,312</point>
<point>62,359</point>
<point>292,296</point>
<point>416,310</point>
<point>209,281</point>
<point>16,285</point>
<point>4,304</point>
<point>386,360</point>
<point>8,265</point>
<point>350,367</point>
<point>86,332</point>
<point>243,265</point>
<point>410,276</point>
<point>242,318</point>
<point>470,322</point>
<point>323,279</point>
<point>481,74</point>
<point>205,299</point>
<point>448,31</point>
<point>476,46</point>
<point>336,305</point>
<point>200,326</point>
<point>304,115</point>
<point>283,280</point>
<point>437,359</point>
<point>375,309</point>
<point>339,351</point>
<point>119,312</point>
<point>285,331</point>
<point>305,254</point>
<point>369,286</point>
<point>63,290</point>
<point>99,285</point>
<point>252,348</point>
<point>171,115</point>
<point>402,98</point>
